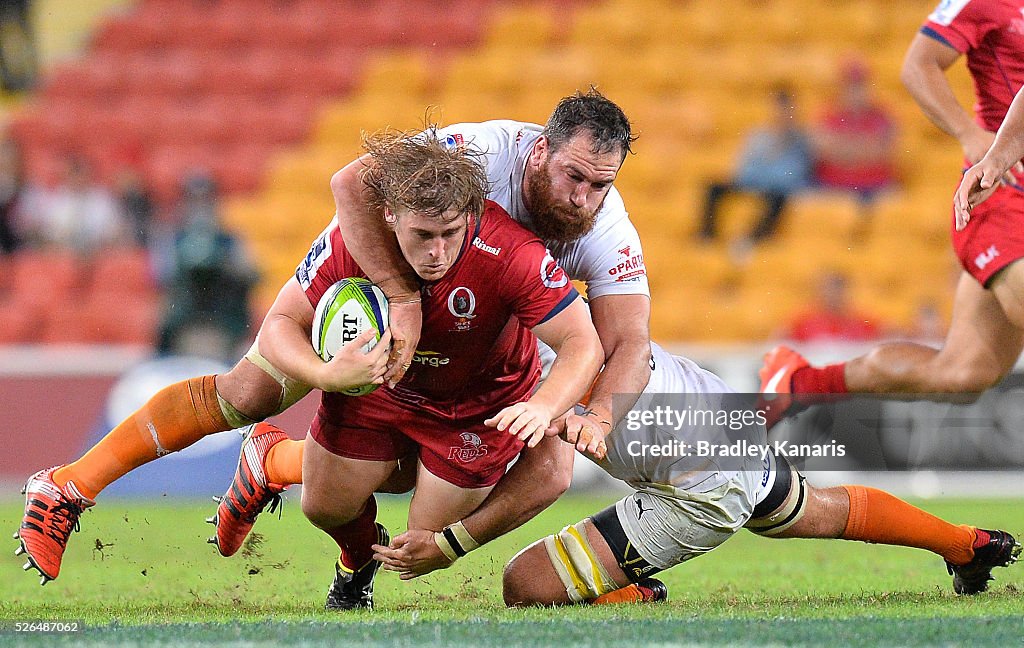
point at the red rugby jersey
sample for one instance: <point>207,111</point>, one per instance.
<point>476,353</point>
<point>991,34</point>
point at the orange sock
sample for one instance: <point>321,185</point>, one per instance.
<point>877,516</point>
<point>175,418</point>
<point>283,464</point>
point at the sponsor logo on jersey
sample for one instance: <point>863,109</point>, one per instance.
<point>986,257</point>
<point>477,243</point>
<point>624,251</point>
<point>551,274</point>
<point>462,304</point>
<point>472,448</point>
<point>630,269</point>
<point>947,11</point>
<point>430,359</point>
<point>454,140</point>
<point>319,252</point>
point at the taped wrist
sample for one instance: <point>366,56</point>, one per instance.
<point>454,541</point>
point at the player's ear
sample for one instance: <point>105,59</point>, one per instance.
<point>390,218</point>
<point>540,150</point>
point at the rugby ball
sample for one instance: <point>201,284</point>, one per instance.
<point>348,308</point>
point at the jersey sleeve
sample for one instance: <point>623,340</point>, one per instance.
<point>535,285</point>
<point>962,24</point>
<point>326,263</point>
<point>610,259</point>
<point>489,139</point>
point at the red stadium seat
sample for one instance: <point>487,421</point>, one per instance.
<point>45,279</point>
<point>123,272</point>
<point>19,324</point>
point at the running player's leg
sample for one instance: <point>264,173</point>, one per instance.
<point>982,345</point>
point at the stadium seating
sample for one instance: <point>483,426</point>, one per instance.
<point>274,100</point>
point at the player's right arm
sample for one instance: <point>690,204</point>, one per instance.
<point>375,250</point>
<point>924,76</point>
<point>284,340</point>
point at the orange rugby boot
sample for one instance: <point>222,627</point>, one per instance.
<point>776,399</point>
<point>649,590</point>
<point>51,514</point>
<point>250,492</point>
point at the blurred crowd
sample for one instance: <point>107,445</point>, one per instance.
<point>202,270</point>
<point>850,148</point>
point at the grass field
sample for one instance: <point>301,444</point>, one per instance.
<point>140,572</point>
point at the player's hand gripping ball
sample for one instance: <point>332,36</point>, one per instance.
<point>348,308</point>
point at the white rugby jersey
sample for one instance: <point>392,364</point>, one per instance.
<point>676,471</point>
<point>609,259</point>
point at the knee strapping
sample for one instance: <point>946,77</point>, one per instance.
<point>576,564</point>
<point>792,509</point>
<point>292,391</point>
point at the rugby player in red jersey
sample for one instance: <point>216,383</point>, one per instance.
<point>555,180</point>
<point>488,286</point>
<point>986,335</point>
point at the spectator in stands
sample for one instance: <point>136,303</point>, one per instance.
<point>136,204</point>
<point>208,280</point>
<point>776,162</point>
<point>79,214</point>
<point>855,140</point>
<point>831,318</point>
<point>18,60</point>
<point>12,196</point>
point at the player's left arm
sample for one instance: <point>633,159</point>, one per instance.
<point>537,479</point>
<point>578,358</point>
<point>623,324</point>
<point>995,167</point>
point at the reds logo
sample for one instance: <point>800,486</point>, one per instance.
<point>471,449</point>
<point>462,304</point>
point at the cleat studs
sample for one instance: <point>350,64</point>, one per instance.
<point>19,551</point>
<point>217,498</point>
<point>43,580</point>
<point>27,566</point>
<point>212,519</point>
<point>17,535</point>
<point>212,540</point>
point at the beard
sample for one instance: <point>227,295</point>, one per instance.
<point>554,221</point>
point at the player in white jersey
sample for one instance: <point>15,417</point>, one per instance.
<point>557,181</point>
<point>686,503</point>
<point>605,253</point>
